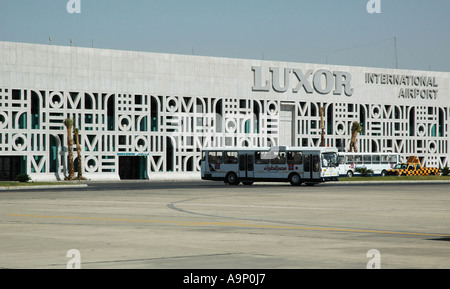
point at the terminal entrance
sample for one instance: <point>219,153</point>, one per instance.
<point>286,128</point>
<point>133,167</point>
<point>10,167</point>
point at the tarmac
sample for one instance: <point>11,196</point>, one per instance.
<point>210,225</point>
<point>191,178</point>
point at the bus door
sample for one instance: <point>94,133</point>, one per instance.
<point>312,167</point>
<point>246,166</point>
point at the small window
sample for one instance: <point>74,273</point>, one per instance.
<point>231,157</point>
<point>316,164</point>
<point>376,160</point>
<point>350,160</point>
<point>393,159</point>
<point>294,158</point>
<point>307,164</point>
<point>262,157</point>
<point>215,157</point>
<point>384,159</point>
<point>279,158</point>
<point>358,159</point>
<point>367,160</point>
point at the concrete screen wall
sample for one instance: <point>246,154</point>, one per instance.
<point>156,112</point>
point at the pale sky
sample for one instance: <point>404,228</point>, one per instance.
<point>310,31</point>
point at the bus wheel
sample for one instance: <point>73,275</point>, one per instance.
<point>295,180</point>
<point>232,179</point>
<point>350,174</point>
<point>383,173</point>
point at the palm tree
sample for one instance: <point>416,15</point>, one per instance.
<point>69,124</point>
<point>322,124</point>
<point>356,128</point>
<point>80,162</point>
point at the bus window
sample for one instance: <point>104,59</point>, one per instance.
<point>342,160</point>
<point>367,160</point>
<point>375,160</point>
<point>358,159</point>
<point>350,160</point>
<point>262,157</point>
<point>242,162</point>
<point>384,159</point>
<point>329,160</point>
<point>307,164</point>
<point>250,163</point>
<point>294,158</point>
<point>278,158</point>
<point>316,163</point>
<point>393,159</point>
<point>215,157</point>
<point>231,157</point>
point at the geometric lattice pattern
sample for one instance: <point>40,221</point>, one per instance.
<point>407,130</point>
<point>170,131</point>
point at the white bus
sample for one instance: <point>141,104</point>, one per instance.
<point>275,164</point>
<point>379,163</point>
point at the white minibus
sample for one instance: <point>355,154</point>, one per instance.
<point>296,165</point>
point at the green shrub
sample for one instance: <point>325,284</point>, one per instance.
<point>23,178</point>
<point>364,172</point>
<point>445,171</point>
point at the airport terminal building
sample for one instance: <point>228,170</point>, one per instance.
<point>143,115</point>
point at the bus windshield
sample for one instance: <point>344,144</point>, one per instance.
<point>401,166</point>
<point>330,160</point>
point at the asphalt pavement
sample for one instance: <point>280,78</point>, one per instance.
<point>204,225</point>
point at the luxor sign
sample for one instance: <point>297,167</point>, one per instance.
<point>321,81</point>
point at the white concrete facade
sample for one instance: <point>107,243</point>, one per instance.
<point>162,109</point>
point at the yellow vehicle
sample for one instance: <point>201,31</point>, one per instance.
<point>412,167</point>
